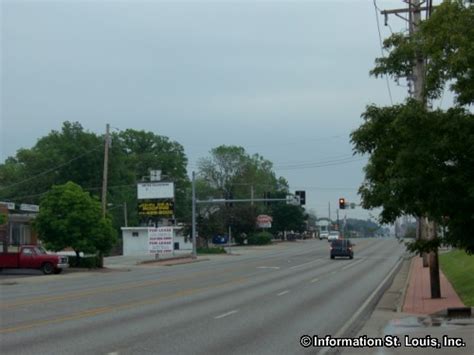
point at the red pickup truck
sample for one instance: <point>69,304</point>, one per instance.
<point>33,257</point>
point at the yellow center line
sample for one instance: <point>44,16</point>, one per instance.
<point>119,307</point>
<point>128,286</point>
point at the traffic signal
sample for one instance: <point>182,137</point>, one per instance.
<point>342,203</point>
<point>302,196</point>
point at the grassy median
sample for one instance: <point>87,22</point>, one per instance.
<point>459,269</point>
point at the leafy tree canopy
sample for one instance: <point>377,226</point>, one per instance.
<point>70,217</point>
<point>231,172</point>
<point>446,41</point>
<point>74,154</point>
<point>420,164</point>
<point>288,217</point>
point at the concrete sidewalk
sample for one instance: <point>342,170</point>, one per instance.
<point>418,295</point>
<point>407,312</point>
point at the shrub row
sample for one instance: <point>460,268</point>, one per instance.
<point>214,250</point>
<point>261,238</point>
<point>90,262</point>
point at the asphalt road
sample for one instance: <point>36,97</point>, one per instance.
<point>259,302</point>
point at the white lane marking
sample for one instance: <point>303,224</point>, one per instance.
<point>314,280</point>
<point>283,293</point>
<point>268,267</point>
<point>226,314</point>
<point>357,314</point>
<point>309,262</point>
<point>333,272</point>
<point>352,264</point>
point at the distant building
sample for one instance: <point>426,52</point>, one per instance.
<point>17,227</point>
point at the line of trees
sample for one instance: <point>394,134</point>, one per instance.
<point>231,173</point>
<point>66,166</point>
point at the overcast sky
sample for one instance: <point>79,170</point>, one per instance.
<point>287,80</point>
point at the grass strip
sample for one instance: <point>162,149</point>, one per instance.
<point>458,267</point>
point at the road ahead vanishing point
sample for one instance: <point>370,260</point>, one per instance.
<point>259,302</point>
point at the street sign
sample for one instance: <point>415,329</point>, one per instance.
<point>9,205</point>
<point>292,200</point>
<point>160,240</point>
<point>264,221</point>
<point>155,190</point>
<point>156,208</point>
<point>29,208</point>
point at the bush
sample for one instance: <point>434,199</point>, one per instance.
<point>261,238</point>
<point>90,262</point>
<point>215,250</point>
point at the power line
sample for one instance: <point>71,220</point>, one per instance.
<point>16,198</point>
<point>323,165</point>
<point>381,49</point>
<point>49,170</point>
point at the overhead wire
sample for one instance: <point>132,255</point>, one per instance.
<point>376,8</point>
<point>49,170</point>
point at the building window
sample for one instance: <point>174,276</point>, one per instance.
<point>20,234</point>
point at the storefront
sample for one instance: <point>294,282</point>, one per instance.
<point>17,226</point>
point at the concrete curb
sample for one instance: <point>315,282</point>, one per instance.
<point>172,262</point>
<point>405,287</point>
<point>375,296</point>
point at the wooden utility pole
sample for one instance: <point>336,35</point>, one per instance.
<point>426,228</point>
<point>106,171</point>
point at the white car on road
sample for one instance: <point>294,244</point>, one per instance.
<point>323,235</point>
<point>334,235</point>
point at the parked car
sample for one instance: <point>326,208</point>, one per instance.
<point>220,239</point>
<point>334,235</point>
<point>342,247</point>
<point>33,257</point>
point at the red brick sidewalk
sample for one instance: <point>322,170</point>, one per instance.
<point>418,295</point>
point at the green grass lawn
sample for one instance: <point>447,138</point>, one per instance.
<point>459,269</point>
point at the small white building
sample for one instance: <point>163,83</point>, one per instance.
<point>136,241</point>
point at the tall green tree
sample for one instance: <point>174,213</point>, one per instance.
<point>446,41</point>
<point>144,151</point>
<point>420,160</point>
<point>70,217</point>
<point>71,154</point>
<point>288,218</point>
<point>75,154</point>
<point>420,164</point>
<point>230,172</point>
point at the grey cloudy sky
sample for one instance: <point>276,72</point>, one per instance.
<point>287,80</point>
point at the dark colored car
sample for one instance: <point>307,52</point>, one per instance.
<point>342,247</point>
<point>220,239</point>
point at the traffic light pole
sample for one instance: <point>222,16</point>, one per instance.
<point>194,202</point>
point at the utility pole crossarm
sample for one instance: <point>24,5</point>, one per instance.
<point>401,11</point>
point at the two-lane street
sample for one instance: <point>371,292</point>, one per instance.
<point>259,301</point>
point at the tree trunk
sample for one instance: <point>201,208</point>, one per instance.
<point>434,275</point>
<point>101,260</point>
<point>78,258</point>
<point>421,234</point>
<point>435,284</point>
